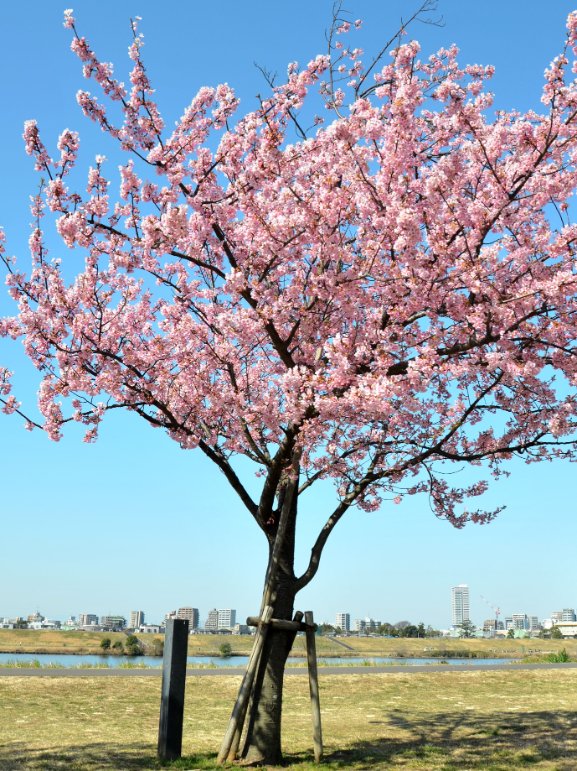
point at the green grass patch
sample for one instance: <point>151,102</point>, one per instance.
<point>560,657</point>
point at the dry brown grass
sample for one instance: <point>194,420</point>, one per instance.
<point>47,641</point>
<point>438,721</point>
<point>499,648</point>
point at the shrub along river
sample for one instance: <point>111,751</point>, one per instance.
<point>68,660</point>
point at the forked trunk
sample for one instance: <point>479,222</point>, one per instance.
<point>263,740</point>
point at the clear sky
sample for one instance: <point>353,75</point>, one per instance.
<point>133,522</point>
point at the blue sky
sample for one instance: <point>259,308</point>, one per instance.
<point>135,522</point>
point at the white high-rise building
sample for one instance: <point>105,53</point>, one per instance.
<point>521,621</point>
<point>226,618</point>
<point>136,619</point>
<point>460,604</point>
<point>343,622</point>
<point>220,619</point>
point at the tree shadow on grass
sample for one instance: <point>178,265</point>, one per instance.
<point>498,740</point>
<point>99,755</point>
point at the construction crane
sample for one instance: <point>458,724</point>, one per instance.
<point>497,611</point>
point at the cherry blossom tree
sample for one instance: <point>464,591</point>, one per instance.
<point>373,301</point>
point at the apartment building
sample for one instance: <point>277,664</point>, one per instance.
<point>136,619</point>
<point>226,618</point>
<point>211,623</point>
<point>189,614</point>
<point>87,619</point>
<point>460,604</point>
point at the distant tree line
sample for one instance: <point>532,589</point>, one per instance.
<point>400,629</point>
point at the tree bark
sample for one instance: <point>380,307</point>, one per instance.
<point>263,740</point>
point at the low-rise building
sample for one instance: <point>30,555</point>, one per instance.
<point>113,623</point>
<point>46,624</point>
<point>567,628</point>
<point>489,627</point>
<point>366,625</point>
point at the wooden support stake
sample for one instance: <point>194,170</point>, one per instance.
<point>314,686</point>
<point>279,623</point>
<point>239,710</point>
<point>172,694</point>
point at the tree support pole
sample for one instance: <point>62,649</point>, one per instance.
<point>232,736</point>
<point>172,694</point>
<point>314,685</point>
<point>233,754</point>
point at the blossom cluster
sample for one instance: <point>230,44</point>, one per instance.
<point>390,294</point>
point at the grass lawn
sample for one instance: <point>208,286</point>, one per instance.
<point>437,721</point>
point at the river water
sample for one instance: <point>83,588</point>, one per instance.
<point>68,660</point>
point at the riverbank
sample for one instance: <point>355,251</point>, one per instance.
<point>36,642</point>
<point>91,662</point>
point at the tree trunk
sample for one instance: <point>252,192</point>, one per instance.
<point>263,740</point>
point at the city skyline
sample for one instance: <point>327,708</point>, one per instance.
<point>81,521</point>
<point>458,611</point>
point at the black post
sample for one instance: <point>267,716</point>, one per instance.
<point>173,681</point>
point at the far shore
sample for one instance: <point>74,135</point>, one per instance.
<point>36,642</point>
